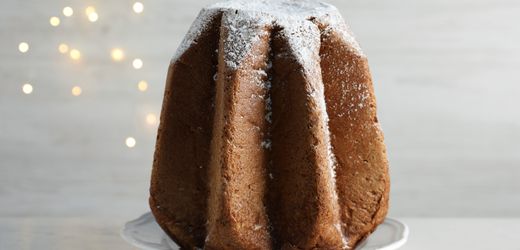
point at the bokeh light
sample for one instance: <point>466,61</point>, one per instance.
<point>75,54</point>
<point>130,142</point>
<point>90,10</point>
<point>23,47</point>
<point>137,63</point>
<point>138,7</point>
<point>117,54</point>
<point>63,48</point>
<point>151,119</point>
<point>91,14</point>
<point>68,11</point>
<point>92,17</point>
<point>27,88</point>
<point>76,91</point>
<point>142,86</point>
<point>54,21</point>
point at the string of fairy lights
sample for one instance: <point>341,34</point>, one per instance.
<point>116,54</point>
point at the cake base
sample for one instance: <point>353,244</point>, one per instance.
<point>145,233</point>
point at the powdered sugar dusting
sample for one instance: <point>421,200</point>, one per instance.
<point>244,23</point>
<point>266,144</point>
<point>243,18</point>
<point>281,9</point>
<point>243,29</point>
<point>334,23</point>
<point>199,26</point>
<point>304,43</point>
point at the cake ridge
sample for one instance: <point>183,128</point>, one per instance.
<point>362,162</point>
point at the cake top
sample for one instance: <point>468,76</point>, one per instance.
<point>244,16</point>
<point>279,8</point>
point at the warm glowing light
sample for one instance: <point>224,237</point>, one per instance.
<point>130,142</point>
<point>27,88</point>
<point>92,17</point>
<point>90,10</point>
<point>54,21</point>
<point>117,54</point>
<point>63,48</point>
<point>138,7</point>
<point>76,91</point>
<point>91,14</point>
<point>75,54</point>
<point>137,63</point>
<point>68,11</point>
<point>23,47</point>
<point>151,119</point>
<point>142,86</point>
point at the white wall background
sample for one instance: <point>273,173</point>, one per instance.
<point>446,74</point>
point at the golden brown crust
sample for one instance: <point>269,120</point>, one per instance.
<point>236,215</point>
<point>303,205</point>
<point>242,165</point>
<point>178,185</point>
<point>357,141</point>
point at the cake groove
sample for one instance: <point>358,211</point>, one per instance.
<point>236,215</point>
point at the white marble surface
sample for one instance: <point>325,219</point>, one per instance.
<point>446,78</point>
<point>102,233</point>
